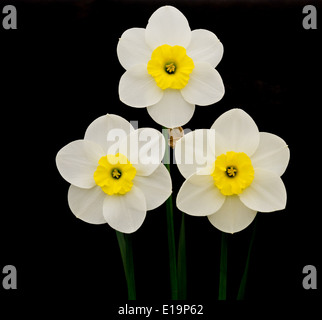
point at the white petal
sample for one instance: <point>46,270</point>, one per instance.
<point>125,213</point>
<point>77,162</point>
<point>157,187</point>
<point>266,193</point>
<point>233,216</point>
<point>132,48</point>
<point>107,131</point>
<point>172,110</point>
<point>138,89</point>
<point>205,46</point>
<point>198,196</point>
<point>205,85</point>
<point>236,131</point>
<point>87,204</point>
<point>272,154</point>
<point>195,152</point>
<point>145,149</point>
<point>167,25</point>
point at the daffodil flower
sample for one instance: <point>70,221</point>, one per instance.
<point>116,173</point>
<point>169,68</point>
<point>239,175</point>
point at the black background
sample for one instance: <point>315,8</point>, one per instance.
<point>59,71</point>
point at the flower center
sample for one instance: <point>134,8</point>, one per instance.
<point>170,67</point>
<point>114,174</point>
<point>233,173</point>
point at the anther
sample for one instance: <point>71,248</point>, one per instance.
<point>170,68</point>
<point>116,174</point>
<point>231,171</point>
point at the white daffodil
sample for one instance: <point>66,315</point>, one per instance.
<point>239,175</point>
<point>116,173</point>
<point>169,68</point>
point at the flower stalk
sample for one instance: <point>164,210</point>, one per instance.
<point>223,268</point>
<point>170,224</point>
<point>182,261</point>
<point>243,282</point>
<point>125,244</point>
<point>172,250</point>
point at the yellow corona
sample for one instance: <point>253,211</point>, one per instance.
<point>233,173</point>
<point>170,67</point>
<point>114,174</point>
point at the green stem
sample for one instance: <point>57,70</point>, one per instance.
<point>182,262</point>
<point>223,268</point>
<point>125,244</point>
<point>242,287</point>
<point>172,251</point>
<point>170,224</point>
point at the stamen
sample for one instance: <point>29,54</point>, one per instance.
<point>231,171</point>
<point>116,174</point>
<point>170,68</point>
